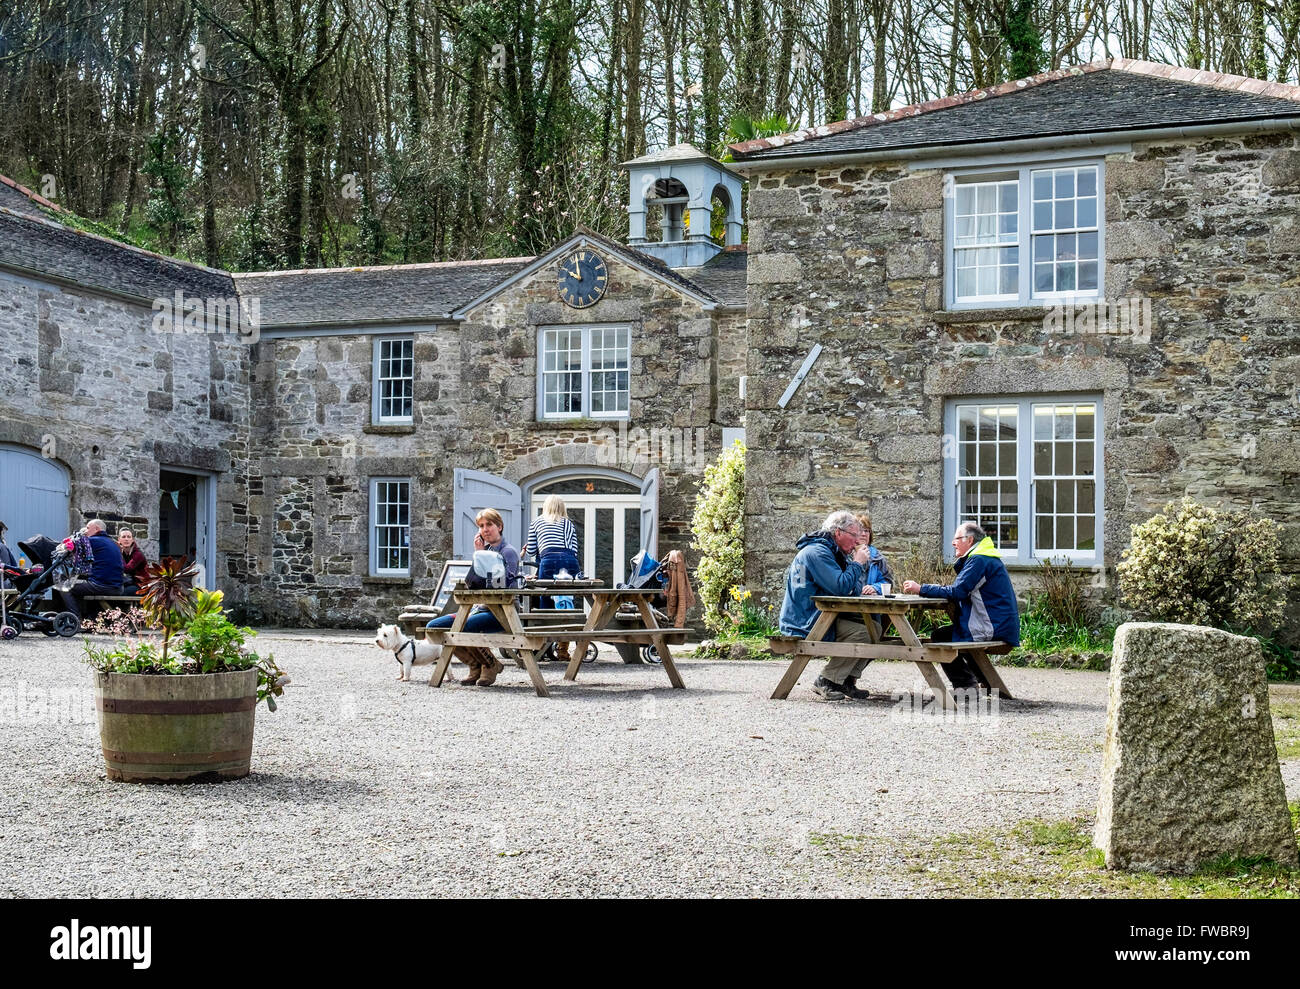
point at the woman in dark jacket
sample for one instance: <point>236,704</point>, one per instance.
<point>134,565</point>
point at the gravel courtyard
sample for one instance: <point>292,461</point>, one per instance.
<point>616,785</point>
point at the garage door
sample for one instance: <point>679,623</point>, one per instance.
<point>33,495</point>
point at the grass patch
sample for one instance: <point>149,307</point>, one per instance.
<point>1041,633</point>
<point>1054,859</point>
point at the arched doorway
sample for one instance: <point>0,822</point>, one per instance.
<point>34,493</point>
<point>605,507</point>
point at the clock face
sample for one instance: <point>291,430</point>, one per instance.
<point>581,278</point>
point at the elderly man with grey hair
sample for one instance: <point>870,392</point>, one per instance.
<point>830,561</point>
<point>106,571</point>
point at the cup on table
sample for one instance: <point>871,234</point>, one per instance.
<point>886,589</point>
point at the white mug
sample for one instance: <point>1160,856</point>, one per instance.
<point>886,589</point>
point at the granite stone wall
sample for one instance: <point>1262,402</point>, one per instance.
<point>852,258</point>
<point>120,402</point>
<point>475,407</point>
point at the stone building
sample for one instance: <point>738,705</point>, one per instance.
<point>1052,305</point>
<point>326,451</point>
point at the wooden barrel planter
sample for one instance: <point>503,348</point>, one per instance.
<point>176,728</point>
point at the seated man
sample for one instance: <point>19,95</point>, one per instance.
<point>105,575</point>
<point>823,566</point>
<point>988,602</point>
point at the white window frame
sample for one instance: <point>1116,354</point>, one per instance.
<point>375,569</point>
<point>1025,555</point>
<point>585,412</point>
<point>376,403</point>
<point>1023,173</point>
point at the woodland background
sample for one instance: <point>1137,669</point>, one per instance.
<point>255,134</point>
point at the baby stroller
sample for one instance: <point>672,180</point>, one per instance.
<point>52,566</point>
<point>646,571</point>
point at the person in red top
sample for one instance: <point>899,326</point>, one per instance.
<point>134,565</point>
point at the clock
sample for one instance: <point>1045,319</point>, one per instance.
<point>581,278</point>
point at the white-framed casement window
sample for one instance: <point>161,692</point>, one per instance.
<point>390,526</point>
<point>392,380</point>
<point>583,372</point>
<point>1018,235</point>
<point>1029,470</point>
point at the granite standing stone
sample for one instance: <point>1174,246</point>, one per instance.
<point>1190,768</point>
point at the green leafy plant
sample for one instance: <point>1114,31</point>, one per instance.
<point>206,639</point>
<point>743,619</point>
<point>1062,597</point>
<point>718,526</point>
<point>1200,566</point>
<point>1040,631</point>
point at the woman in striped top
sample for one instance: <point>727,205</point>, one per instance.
<point>551,534</point>
<point>553,540</point>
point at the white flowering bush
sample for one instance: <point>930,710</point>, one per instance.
<point>1199,566</point>
<point>718,526</point>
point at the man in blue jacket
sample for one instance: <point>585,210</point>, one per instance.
<point>831,562</point>
<point>106,570</point>
<point>988,602</point>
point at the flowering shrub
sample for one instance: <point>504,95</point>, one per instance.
<point>719,529</point>
<point>115,621</point>
<point>1199,566</point>
<point>742,618</point>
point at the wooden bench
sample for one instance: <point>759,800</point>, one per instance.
<point>935,652</point>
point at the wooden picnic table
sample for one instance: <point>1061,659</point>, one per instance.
<point>905,644</point>
<point>530,639</point>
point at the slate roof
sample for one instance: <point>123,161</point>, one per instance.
<point>392,293</point>
<point>1113,95</point>
<point>32,243</point>
<point>675,155</point>
<point>723,276</point>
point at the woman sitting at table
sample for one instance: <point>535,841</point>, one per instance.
<point>483,666</point>
<point>877,568</point>
<point>135,567</point>
<point>877,573</point>
<point>553,542</point>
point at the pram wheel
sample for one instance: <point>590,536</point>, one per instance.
<point>47,626</point>
<point>11,630</point>
<point>592,652</point>
<point>650,654</point>
<point>66,624</point>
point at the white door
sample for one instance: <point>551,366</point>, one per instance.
<point>202,534</point>
<point>475,490</point>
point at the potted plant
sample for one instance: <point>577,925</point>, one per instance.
<point>181,709</point>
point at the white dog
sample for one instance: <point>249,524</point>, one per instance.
<point>408,652</point>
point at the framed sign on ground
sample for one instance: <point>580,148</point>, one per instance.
<point>453,571</point>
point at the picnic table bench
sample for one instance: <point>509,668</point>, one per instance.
<point>530,639</point>
<point>906,644</point>
<point>415,617</point>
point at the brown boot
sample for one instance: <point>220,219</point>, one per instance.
<point>562,653</point>
<point>491,667</point>
<point>475,664</point>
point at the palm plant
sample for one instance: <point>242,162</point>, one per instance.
<point>168,597</point>
<point>743,127</point>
